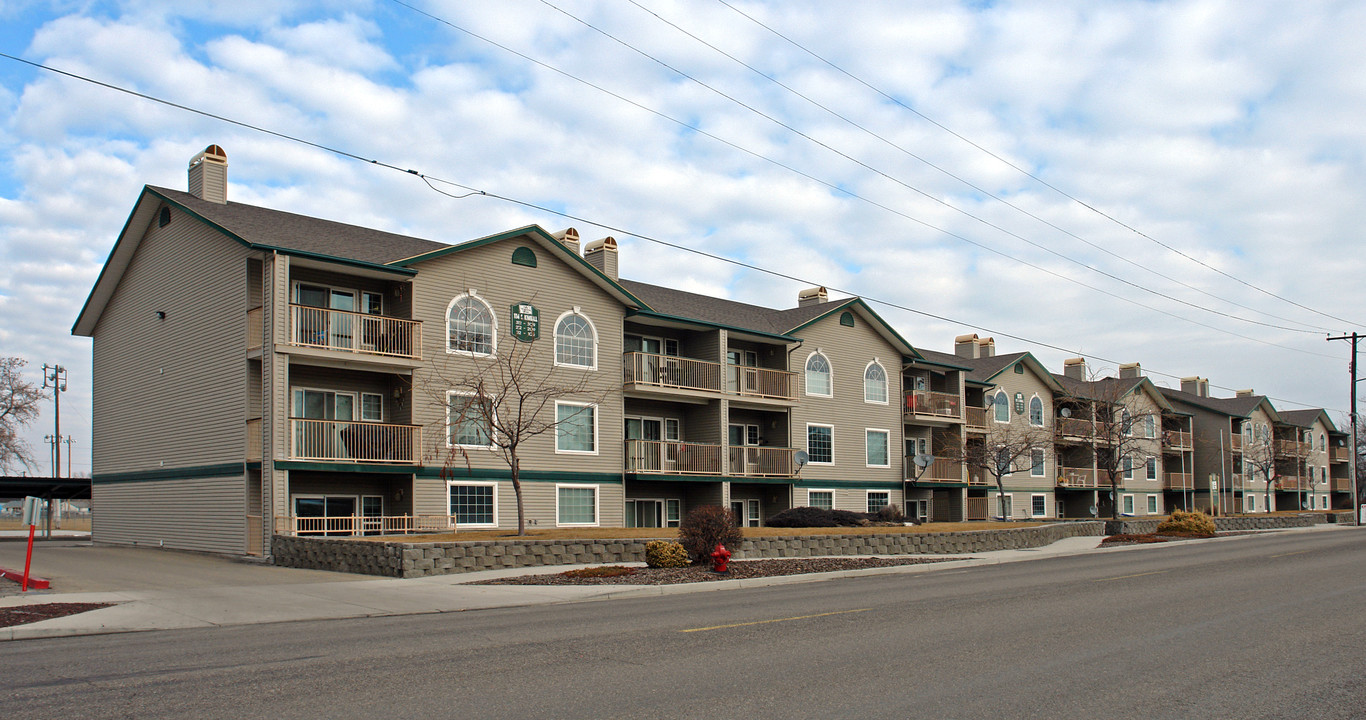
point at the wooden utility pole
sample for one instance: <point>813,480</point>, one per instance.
<point>1352,414</point>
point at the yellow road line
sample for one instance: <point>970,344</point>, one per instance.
<point>775,620</point>
<point>1121,577</point>
<point>1297,552</point>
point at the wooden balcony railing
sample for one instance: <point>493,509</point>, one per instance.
<point>1235,442</point>
<point>254,440</point>
<point>1178,481</point>
<point>1077,477</point>
<point>347,441</point>
<point>255,320</point>
<point>1339,454</point>
<point>941,470</point>
<point>1293,483</point>
<point>671,371</point>
<point>1342,484</point>
<point>1291,448</point>
<point>672,458</point>
<point>1073,427</point>
<point>1176,439</point>
<point>977,508</point>
<point>933,404</point>
<point>354,332</point>
<point>976,418</point>
<point>363,524</point>
<point>754,461</point>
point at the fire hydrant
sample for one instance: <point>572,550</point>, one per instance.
<point>720,559</point>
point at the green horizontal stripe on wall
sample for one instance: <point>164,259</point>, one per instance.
<point>434,473</point>
<point>348,467</point>
<point>180,473</point>
<point>845,484</point>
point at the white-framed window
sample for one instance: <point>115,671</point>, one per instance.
<point>1149,426</point>
<point>1128,464</point>
<point>1311,502</point>
<point>471,326</point>
<point>467,425</point>
<point>1009,510</point>
<point>576,341</point>
<point>1322,442</point>
<point>876,445</point>
<point>576,427</point>
<point>1128,504</point>
<point>752,513</point>
<point>823,499</point>
<point>818,375</point>
<point>1249,503</point>
<point>820,444</point>
<point>875,383</point>
<point>1036,411</point>
<point>1036,463</point>
<point>1038,505</point>
<point>1323,502</point>
<point>1152,504</point>
<point>474,504</point>
<point>878,499</point>
<point>1126,422</point>
<point>1152,468</point>
<point>673,513</point>
<point>576,505</point>
<point>1001,403</point>
<point>371,407</point>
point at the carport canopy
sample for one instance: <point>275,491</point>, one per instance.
<point>13,488</point>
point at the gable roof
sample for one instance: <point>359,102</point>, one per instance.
<point>1306,418</point>
<point>1241,407</point>
<point>983,370</point>
<point>1112,388</point>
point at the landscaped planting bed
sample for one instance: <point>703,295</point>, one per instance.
<point>739,569</point>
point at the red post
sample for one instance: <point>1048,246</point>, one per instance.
<point>28,558</point>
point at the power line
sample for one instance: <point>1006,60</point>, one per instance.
<point>984,191</point>
<point>912,188</point>
<point>1025,172</point>
<point>470,190</point>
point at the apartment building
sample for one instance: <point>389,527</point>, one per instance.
<point>1234,450</point>
<point>1304,459</point>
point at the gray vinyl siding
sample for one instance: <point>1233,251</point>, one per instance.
<point>538,498</point>
<point>849,350</point>
<point>846,498</point>
<point>554,288</point>
<point>171,392</point>
<point>206,514</point>
<point>1029,386</point>
<point>355,382</point>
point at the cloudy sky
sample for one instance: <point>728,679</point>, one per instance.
<point>1174,183</point>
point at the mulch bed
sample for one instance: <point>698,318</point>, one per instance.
<point>1137,539</point>
<point>24,614</point>
<point>738,569</point>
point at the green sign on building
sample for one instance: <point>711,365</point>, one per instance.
<point>526,322</point>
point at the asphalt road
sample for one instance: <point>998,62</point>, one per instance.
<point>1268,626</point>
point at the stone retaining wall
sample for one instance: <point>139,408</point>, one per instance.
<point>418,559</point>
<point>1223,524</point>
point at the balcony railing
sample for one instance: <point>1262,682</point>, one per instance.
<point>354,332</point>
<point>1178,481</point>
<point>934,404</point>
<point>347,441</point>
<point>1176,439</point>
<point>254,440</point>
<point>1342,484</point>
<point>941,470</point>
<point>363,524</point>
<point>1235,442</point>
<point>672,458</point>
<point>1291,448</point>
<point>754,461</point>
<point>1073,427</point>
<point>977,508</point>
<point>1077,477</point>
<point>670,371</point>
<point>1339,454</point>
<point>255,320</point>
<point>1293,483</point>
<point>976,417</point>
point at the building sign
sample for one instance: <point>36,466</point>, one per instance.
<point>526,322</point>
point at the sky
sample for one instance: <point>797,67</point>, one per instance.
<point>1170,183</point>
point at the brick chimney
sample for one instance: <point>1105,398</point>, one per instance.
<point>1074,368</point>
<point>569,237</point>
<point>965,346</point>
<point>812,296</point>
<point>602,254</point>
<point>209,175</point>
<point>1130,371</point>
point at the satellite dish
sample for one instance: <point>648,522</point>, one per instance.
<point>1093,510</point>
<point>1066,412</point>
<point>923,461</point>
<point>801,458</point>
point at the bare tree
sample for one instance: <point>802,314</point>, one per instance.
<point>504,400</point>
<point>1259,460</point>
<point>1008,448</point>
<point>1122,427</point>
<point>18,407</point>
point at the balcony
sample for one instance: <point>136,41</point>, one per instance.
<point>1291,448</point>
<point>1235,442</point>
<point>255,326</point>
<point>664,457</point>
<point>353,332</point>
<point>941,470</point>
<point>649,370</point>
<point>929,403</point>
<point>1178,481</point>
<point>1069,477</point>
<point>360,442</point>
<point>1339,454</point>
<point>1342,484</point>
<point>1073,428</point>
<point>254,440</point>
<point>363,524</point>
<point>753,461</point>
<point>1176,440</point>
<point>976,418</point>
<point>1292,483</point>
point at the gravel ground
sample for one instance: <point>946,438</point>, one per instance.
<point>23,614</point>
<point>738,569</point>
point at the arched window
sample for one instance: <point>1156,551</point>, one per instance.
<point>470,326</point>
<point>1036,411</point>
<point>1321,442</point>
<point>524,256</point>
<point>847,319</point>
<point>875,383</point>
<point>1002,404</point>
<point>575,341</point>
<point>818,375</point>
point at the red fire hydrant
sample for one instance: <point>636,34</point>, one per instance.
<point>720,559</point>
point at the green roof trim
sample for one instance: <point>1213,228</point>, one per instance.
<point>709,324</point>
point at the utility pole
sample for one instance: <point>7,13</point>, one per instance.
<point>1352,413</point>
<point>54,376</point>
<point>68,442</point>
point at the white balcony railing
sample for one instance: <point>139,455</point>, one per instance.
<point>754,461</point>
<point>354,332</point>
<point>363,524</point>
<point>1077,477</point>
<point>347,441</point>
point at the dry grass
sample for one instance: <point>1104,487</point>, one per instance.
<point>81,524</point>
<point>606,533</point>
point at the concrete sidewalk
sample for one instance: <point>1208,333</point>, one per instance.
<point>192,591</point>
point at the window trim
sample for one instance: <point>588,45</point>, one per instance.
<point>1038,496</point>
<point>820,490</point>
<point>493,326</point>
<point>364,395</point>
<point>592,328</point>
<point>1153,508</point>
<point>868,498</point>
<point>473,483</point>
<point>1151,469</point>
<point>1010,504</point>
<point>1127,498</point>
<point>1042,465</point>
<point>449,428</point>
<point>1043,417</point>
<point>597,443</point>
<point>1004,399</point>
<point>886,384</point>
<point>597,504</point>
<point>829,374</point>
<point>887,448</point>
<point>809,461</point>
